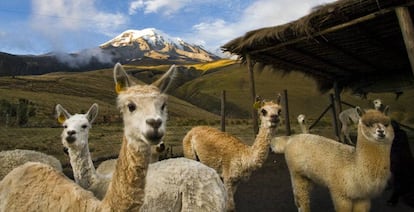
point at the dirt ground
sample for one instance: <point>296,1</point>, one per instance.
<point>269,189</point>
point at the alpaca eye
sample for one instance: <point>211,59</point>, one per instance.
<point>132,107</point>
<point>65,126</point>
<point>279,112</point>
<point>264,112</point>
<point>84,126</point>
<point>163,106</point>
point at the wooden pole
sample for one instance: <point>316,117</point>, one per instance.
<point>285,106</point>
<point>334,117</point>
<point>250,66</point>
<point>338,105</point>
<point>223,111</point>
<point>407,30</point>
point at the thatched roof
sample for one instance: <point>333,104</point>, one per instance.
<point>357,43</point>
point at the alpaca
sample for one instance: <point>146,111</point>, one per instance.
<point>353,175</point>
<point>350,116</point>
<point>230,157</point>
<point>75,139</point>
<point>107,167</point>
<point>39,187</point>
<point>302,123</point>
<point>181,184</point>
<point>13,158</point>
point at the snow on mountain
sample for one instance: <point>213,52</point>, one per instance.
<point>153,43</point>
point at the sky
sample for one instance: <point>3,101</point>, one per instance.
<point>42,26</point>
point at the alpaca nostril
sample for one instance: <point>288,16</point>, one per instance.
<point>155,123</point>
<point>71,132</point>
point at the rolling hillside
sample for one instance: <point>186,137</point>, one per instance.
<point>192,100</point>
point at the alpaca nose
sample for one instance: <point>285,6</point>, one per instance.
<point>274,118</point>
<point>381,133</point>
<point>155,123</point>
<point>71,132</point>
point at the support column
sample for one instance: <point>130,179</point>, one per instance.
<point>334,117</point>
<point>250,66</point>
<point>407,30</point>
<point>285,106</point>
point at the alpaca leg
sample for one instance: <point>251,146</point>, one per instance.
<point>230,206</point>
<point>362,205</point>
<point>341,203</point>
<point>301,189</point>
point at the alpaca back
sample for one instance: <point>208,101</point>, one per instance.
<point>212,147</point>
<point>13,158</point>
<point>191,186</point>
<point>39,187</point>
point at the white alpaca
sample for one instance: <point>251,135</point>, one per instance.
<point>302,123</point>
<point>13,158</point>
<point>39,187</point>
<point>354,175</point>
<point>75,136</point>
<point>230,157</point>
<point>171,185</point>
<point>350,116</point>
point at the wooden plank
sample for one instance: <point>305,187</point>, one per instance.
<point>250,67</point>
<point>407,30</point>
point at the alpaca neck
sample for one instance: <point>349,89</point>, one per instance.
<point>372,158</point>
<point>83,168</point>
<point>126,191</point>
<point>304,128</point>
<point>260,147</point>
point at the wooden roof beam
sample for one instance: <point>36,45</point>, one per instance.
<point>407,30</point>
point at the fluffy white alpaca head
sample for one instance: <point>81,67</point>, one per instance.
<point>301,118</point>
<point>143,107</point>
<point>76,127</point>
<point>377,104</point>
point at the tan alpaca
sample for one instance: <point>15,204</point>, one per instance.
<point>39,187</point>
<point>230,157</point>
<point>354,175</point>
<point>278,143</point>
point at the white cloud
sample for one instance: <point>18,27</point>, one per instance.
<point>165,7</point>
<point>261,13</point>
<point>59,19</point>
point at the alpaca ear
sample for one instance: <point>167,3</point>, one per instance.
<point>278,98</point>
<point>258,104</point>
<point>62,114</point>
<point>92,113</point>
<point>122,81</point>
<point>359,111</point>
<point>166,80</point>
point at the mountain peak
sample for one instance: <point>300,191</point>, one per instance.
<point>150,42</point>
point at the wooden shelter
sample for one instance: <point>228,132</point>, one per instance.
<point>360,45</point>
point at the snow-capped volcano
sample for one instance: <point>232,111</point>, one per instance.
<point>152,43</point>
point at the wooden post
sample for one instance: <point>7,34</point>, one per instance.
<point>334,117</point>
<point>285,106</point>
<point>338,105</point>
<point>250,66</point>
<point>407,30</point>
<point>223,111</point>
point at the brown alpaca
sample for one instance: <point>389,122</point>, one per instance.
<point>39,187</point>
<point>230,157</point>
<point>353,175</point>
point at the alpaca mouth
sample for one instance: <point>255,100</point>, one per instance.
<point>71,139</point>
<point>154,137</point>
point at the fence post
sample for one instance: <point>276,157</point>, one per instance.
<point>223,111</point>
<point>334,117</point>
<point>285,106</point>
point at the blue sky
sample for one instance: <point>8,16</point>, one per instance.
<point>41,26</point>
